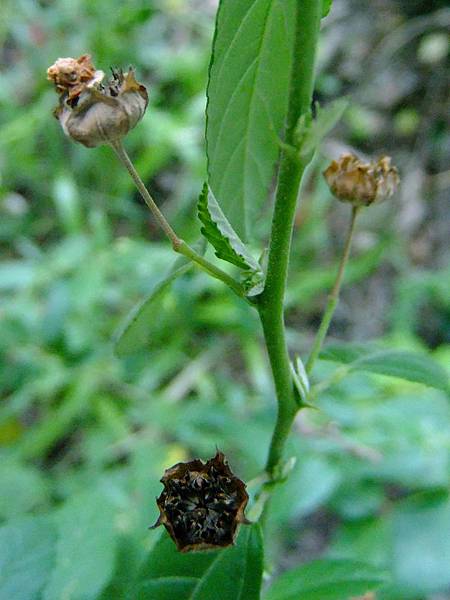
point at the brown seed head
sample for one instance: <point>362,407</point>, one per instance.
<point>361,184</point>
<point>202,504</point>
<point>91,112</point>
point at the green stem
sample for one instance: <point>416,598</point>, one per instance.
<point>178,244</point>
<point>162,221</point>
<point>333,298</point>
<point>211,269</point>
<point>271,301</point>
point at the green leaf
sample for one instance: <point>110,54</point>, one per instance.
<point>27,549</point>
<point>248,93</point>
<point>231,574</point>
<point>22,488</point>
<point>135,332</point>
<point>421,539</point>
<point>301,382</point>
<point>311,132</point>
<point>326,580</point>
<point>326,7</point>
<point>218,231</point>
<point>85,550</point>
<point>415,367</point>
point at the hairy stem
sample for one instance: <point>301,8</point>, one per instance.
<point>178,244</point>
<point>333,298</point>
<point>271,302</point>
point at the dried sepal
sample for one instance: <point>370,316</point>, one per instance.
<point>359,183</point>
<point>202,504</point>
<point>90,111</point>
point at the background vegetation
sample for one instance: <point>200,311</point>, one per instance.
<point>85,436</point>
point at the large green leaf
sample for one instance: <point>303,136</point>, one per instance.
<point>218,231</point>
<point>416,367</point>
<point>247,102</point>
<point>231,574</point>
<point>85,550</point>
<point>27,549</point>
<point>326,580</point>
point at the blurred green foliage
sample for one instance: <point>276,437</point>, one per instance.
<point>85,436</point>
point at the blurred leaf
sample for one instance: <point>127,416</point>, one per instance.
<point>135,333</point>
<point>218,231</point>
<point>418,368</point>
<point>311,483</point>
<point>311,132</point>
<point>26,557</point>
<point>326,580</point>
<point>421,545</point>
<point>247,101</point>
<point>67,204</point>
<point>235,571</point>
<point>85,549</point>
<point>22,488</point>
<point>326,7</point>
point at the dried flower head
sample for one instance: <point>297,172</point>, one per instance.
<point>91,112</point>
<point>202,504</point>
<point>70,75</point>
<point>359,183</point>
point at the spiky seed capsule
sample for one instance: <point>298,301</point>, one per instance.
<point>359,183</point>
<point>91,112</point>
<point>202,504</point>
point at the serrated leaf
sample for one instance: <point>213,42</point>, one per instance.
<point>326,7</point>
<point>326,580</point>
<point>415,367</point>
<point>311,132</point>
<point>248,92</point>
<point>135,332</point>
<point>85,550</point>
<point>27,553</point>
<point>234,573</point>
<point>218,231</point>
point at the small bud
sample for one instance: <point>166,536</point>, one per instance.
<point>202,504</point>
<point>361,184</point>
<point>91,112</point>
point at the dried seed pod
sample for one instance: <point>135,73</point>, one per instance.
<point>91,112</point>
<point>202,504</point>
<point>361,184</point>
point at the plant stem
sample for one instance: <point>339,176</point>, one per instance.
<point>178,244</point>
<point>126,161</point>
<point>333,298</point>
<point>209,268</point>
<point>271,301</point>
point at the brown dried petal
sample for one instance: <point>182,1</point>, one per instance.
<point>361,184</point>
<point>202,504</point>
<point>70,75</point>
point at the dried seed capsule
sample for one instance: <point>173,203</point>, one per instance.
<point>91,112</point>
<point>202,504</point>
<point>361,184</point>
